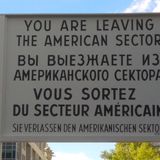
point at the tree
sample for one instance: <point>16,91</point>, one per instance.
<point>106,155</point>
<point>132,151</point>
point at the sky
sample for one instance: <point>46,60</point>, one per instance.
<point>78,6</point>
<point>79,151</point>
<point>63,6</point>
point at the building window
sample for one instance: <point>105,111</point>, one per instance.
<point>9,151</point>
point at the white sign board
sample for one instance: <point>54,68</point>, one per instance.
<point>80,77</point>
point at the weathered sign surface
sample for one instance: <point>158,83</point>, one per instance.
<point>80,77</point>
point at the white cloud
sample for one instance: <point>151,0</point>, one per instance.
<point>157,6</point>
<point>144,6</point>
<point>70,156</point>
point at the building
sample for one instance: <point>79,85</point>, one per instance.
<point>26,151</point>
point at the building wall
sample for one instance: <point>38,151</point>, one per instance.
<point>25,151</point>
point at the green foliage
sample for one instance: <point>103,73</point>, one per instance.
<point>132,151</point>
<point>106,155</point>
